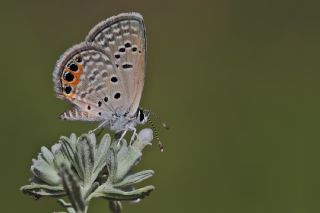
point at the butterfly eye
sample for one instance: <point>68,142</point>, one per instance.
<point>67,90</point>
<point>68,76</point>
<point>141,115</point>
<point>105,99</point>
<point>73,67</point>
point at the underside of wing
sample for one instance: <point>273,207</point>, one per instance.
<point>123,38</point>
<point>74,114</point>
<point>86,77</point>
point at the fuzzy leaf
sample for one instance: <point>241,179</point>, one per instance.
<point>72,188</point>
<point>135,178</point>
<point>108,192</point>
<point>127,162</point>
<point>84,156</point>
<point>44,169</point>
<point>47,155</point>
<point>82,170</point>
<point>89,190</point>
<point>68,148</point>
<point>112,165</point>
<point>100,156</point>
<point>61,159</point>
<point>66,205</point>
<point>123,150</point>
<point>115,206</point>
<point>39,190</point>
<point>145,137</point>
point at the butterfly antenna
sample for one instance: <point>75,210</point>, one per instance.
<point>156,135</point>
<point>163,124</point>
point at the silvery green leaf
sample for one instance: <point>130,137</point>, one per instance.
<point>72,188</point>
<point>47,155</point>
<point>39,190</point>
<point>112,164</point>
<point>131,155</point>
<point>44,169</point>
<point>68,147</point>
<point>135,178</point>
<point>123,149</point>
<point>127,162</point>
<point>46,173</point>
<point>144,138</point>
<point>81,169</point>
<point>100,156</point>
<point>61,159</point>
<point>72,140</point>
<point>66,205</point>
<point>85,156</point>
<point>115,206</point>
<point>108,192</point>
<point>91,189</point>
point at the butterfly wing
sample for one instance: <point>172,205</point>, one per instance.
<point>86,77</point>
<point>75,114</point>
<point>123,38</point>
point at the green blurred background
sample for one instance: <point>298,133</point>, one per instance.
<point>238,82</point>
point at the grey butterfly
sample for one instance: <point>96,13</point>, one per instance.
<point>103,76</point>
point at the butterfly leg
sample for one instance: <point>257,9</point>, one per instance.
<point>122,136</point>
<point>134,134</point>
<point>98,127</point>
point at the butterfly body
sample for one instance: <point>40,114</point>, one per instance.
<point>122,122</point>
<point>103,77</point>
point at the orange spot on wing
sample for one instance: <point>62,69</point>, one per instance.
<point>74,82</point>
<point>70,96</point>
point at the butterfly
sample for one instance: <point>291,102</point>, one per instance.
<point>103,77</point>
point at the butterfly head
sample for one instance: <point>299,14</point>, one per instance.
<point>142,116</point>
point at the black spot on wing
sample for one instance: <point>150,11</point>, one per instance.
<point>117,95</point>
<point>127,66</point>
